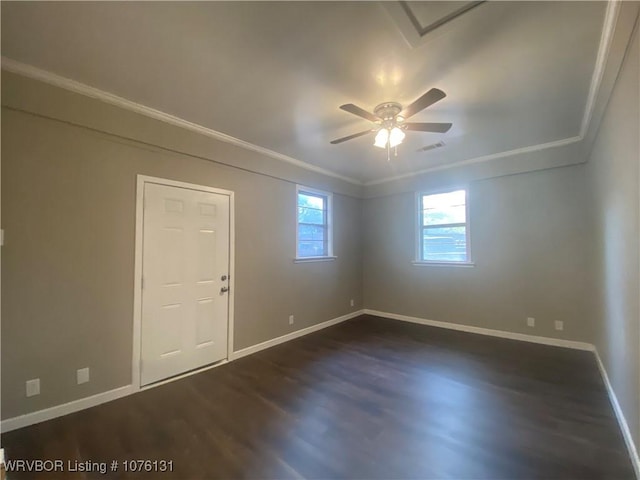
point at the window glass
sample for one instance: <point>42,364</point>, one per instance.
<point>313,235</point>
<point>443,232</point>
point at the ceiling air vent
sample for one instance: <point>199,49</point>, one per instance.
<point>431,147</point>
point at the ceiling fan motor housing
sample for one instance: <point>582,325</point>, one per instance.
<point>388,112</point>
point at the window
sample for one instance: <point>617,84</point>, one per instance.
<point>443,233</point>
<point>313,235</point>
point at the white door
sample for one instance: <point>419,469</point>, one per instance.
<point>185,278</point>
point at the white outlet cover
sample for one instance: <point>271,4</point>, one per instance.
<point>83,375</point>
<point>559,325</point>
<point>33,387</point>
<point>352,303</point>
<point>531,322</point>
<point>290,319</point>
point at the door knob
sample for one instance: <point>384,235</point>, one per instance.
<point>224,289</point>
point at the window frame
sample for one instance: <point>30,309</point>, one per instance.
<point>328,224</point>
<point>419,227</point>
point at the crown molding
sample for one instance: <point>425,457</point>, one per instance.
<point>608,28</point>
<point>610,19</point>
<point>56,80</point>
<point>484,158</point>
<point>611,16</point>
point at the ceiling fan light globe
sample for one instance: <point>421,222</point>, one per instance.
<point>396,136</point>
<point>381,138</point>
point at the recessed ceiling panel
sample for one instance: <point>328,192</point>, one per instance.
<point>516,74</point>
<point>427,16</point>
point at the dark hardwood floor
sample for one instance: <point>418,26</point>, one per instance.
<point>369,398</point>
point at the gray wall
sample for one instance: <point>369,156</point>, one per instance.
<point>68,210</point>
<point>613,173</point>
<point>556,244</point>
<point>530,242</point>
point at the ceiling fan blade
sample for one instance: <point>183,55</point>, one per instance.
<point>428,127</point>
<point>429,98</point>
<point>350,137</point>
<point>351,108</point>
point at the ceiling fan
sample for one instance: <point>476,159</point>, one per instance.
<point>390,119</point>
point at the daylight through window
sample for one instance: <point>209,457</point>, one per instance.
<point>314,223</point>
<point>444,231</point>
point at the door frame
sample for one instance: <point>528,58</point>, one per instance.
<point>137,275</point>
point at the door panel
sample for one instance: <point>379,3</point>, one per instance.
<point>185,255</point>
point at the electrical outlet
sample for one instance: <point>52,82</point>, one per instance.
<point>531,322</point>
<point>352,303</point>
<point>82,375</point>
<point>559,325</point>
<point>290,319</point>
<point>33,387</point>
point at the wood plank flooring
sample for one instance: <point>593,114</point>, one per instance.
<point>369,398</point>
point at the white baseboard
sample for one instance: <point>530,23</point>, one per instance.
<point>622,421</point>
<point>88,402</point>
<point>84,403</point>
<point>64,409</point>
<point>290,336</point>
<point>485,331</point>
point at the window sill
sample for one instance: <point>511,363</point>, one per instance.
<point>443,264</point>
<point>313,259</point>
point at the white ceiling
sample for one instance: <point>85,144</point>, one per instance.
<point>516,74</point>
